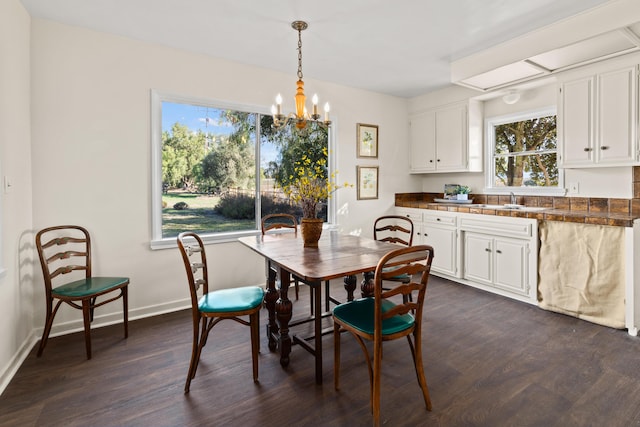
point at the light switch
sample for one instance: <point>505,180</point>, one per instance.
<point>8,184</point>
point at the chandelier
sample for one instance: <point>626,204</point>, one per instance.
<point>301,116</point>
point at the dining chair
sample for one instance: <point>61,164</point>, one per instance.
<point>379,319</point>
<point>395,229</point>
<point>66,249</point>
<point>277,222</point>
<point>213,307</point>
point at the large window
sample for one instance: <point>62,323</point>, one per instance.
<point>206,176</point>
<point>522,153</point>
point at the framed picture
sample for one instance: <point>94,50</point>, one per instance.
<point>367,182</point>
<point>367,141</point>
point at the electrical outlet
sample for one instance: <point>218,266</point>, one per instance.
<point>574,188</point>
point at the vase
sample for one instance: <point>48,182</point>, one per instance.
<point>311,229</point>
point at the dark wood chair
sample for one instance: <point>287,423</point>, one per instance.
<point>277,222</point>
<point>66,249</point>
<point>379,319</point>
<point>395,229</point>
<point>215,306</point>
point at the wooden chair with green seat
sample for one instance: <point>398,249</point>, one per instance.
<point>395,229</point>
<point>66,249</point>
<point>379,319</point>
<point>212,307</point>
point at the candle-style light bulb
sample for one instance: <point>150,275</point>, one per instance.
<point>326,112</point>
<point>273,109</point>
<point>279,104</point>
<point>314,100</point>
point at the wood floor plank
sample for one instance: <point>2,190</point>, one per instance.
<point>489,361</point>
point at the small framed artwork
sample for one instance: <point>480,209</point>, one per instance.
<point>367,141</point>
<point>367,177</point>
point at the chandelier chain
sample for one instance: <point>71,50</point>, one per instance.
<point>299,54</point>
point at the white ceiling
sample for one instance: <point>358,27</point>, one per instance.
<point>402,47</point>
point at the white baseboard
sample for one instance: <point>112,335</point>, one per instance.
<point>9,371</point>
<point>16,361</point>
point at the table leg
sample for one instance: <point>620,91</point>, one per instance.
<point>350,286</point>
<point>270,302</point>
<point>317,288</point>
<point>368,284</point>
<point>283,314</point>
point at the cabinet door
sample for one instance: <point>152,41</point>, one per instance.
<point>510,265</point>
<point>616,117</point>
<point>444,242</point>
<point>478,256</point>
<point>451,138</point>
<point>575,124</point>
<point>423,142</point>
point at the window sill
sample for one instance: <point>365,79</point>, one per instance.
<point>212,239</point>
<point>527,191</point>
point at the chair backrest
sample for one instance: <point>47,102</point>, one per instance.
<point>63,249</point>
<point>393,228</point>
<point>278,221</point>
<point>190,244</point>
<point>413,261</point>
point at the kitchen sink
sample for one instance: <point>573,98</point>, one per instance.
<point>511,207</point>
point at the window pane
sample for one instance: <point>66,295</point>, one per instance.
<point>280,150</point>
<point>535,170</point>
<point>537,134</point>
<point>208,169</point>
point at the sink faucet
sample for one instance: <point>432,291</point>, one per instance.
<point>513,198</point>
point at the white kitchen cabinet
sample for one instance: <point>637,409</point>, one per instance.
<point>597,119</point>
<point>499,254</point>
<point>439,230</point>
<point>447,139</point>
<point>498,262</point>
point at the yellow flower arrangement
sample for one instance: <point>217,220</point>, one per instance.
<point>309,185</point>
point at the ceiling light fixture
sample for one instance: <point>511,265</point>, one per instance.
<point>511,97</point>
<point>301,115</point>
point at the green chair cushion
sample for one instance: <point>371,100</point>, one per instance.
<point>405,278</point>
<point>90,286</point>
<point>234,299</point>
<point>360,315</point>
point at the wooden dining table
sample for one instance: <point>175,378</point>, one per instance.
<point>337,256</point>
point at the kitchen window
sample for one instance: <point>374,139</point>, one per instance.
<point>217,168</point>
<point>523,153</point>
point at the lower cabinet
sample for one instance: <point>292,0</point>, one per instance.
<point>439,230</point>
<point>495,253</point>
<point>497,261</point>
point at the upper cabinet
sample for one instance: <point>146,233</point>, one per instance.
<point>447,139</point>
<point>597,119</point>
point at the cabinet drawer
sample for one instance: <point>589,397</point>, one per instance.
<point>439,218</point>
<point>414,215</point>
<point>500,226</point>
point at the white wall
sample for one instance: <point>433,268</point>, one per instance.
<point>16,285</point>
<point>91,152</point>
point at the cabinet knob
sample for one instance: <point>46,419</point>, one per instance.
<point>438,160</point>
<point>431,161</point>
<point>498,251</point>
<point>437,219</point>
<point>487,250</point>
<point>604,147</point>
<point>588,149</point>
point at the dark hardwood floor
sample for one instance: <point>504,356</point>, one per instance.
<point>489,361</point>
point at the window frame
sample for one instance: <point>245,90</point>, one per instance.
<point>490,124</point>
<point>157,98</point>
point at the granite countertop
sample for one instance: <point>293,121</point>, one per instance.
<point>601,211</point>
